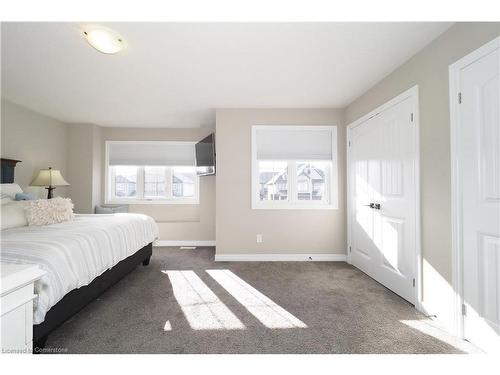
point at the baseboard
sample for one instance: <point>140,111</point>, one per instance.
<point>183,243</point>
<point>280,257</point>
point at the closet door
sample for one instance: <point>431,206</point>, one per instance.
<point>382,168</point>
<point>365,182</point>
<point>479,171</point>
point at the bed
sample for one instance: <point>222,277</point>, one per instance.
<point>82,258</point>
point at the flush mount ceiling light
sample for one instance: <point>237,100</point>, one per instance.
<point>104,39</point>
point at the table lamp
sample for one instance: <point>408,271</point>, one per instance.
<point>49,178</point>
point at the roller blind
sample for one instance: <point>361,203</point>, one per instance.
<point>301,143</point>
<point>151,153</point>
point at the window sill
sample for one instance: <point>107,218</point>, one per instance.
<point>154,201</point>
<point>257,206</point>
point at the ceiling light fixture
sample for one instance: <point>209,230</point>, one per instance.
<point>104,39</point>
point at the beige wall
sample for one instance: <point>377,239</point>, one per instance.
<point>80,171</point>
<point>35,139</point>
<point>177,222</point>
<point>97,157</point>
<point>84,166</point>
<point>429,70</point>
<point>284,231</point>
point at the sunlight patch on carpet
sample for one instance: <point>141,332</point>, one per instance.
<point>201,307</point>
<point>261,307</point>
<point>167,326</point>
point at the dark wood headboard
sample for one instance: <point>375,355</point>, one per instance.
<point>7,170</point>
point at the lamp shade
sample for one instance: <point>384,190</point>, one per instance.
<point>49,177</point>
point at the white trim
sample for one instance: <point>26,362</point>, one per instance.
<point>348,191</point>
<point>280,257</point>
<point>298,206</point>
<point>413,94</point>
<point>159,243</point>
<point>391,103</point>
<point>192,201</point>
<point>153,142</point>
<point>292,204</point>
<point>456,208</point>
<point>419,289</point>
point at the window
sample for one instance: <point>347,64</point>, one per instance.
<point>183,182</point>
<point>312,180</point>
<point>294,167</point>
<point>155,179</point>
<point>157,173</point>
<point>125,182</point>
<point>273,181</point>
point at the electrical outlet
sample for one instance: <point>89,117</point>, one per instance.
<point>259,238</point>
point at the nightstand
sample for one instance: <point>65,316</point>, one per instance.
<point>17,295</point>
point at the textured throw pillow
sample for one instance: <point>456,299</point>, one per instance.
<point>13,215</point>
<point>49,211</point>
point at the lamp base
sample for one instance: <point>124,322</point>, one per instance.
<point>50,193</point>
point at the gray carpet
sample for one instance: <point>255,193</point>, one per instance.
<point>345,312</point>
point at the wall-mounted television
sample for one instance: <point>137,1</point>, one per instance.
<point>205,156</point>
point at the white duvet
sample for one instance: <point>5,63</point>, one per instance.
<point>74,253</point>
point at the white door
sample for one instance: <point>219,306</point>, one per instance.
<point>382,167</point>
<point>479,178</point>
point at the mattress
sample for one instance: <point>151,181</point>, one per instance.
<point>74,253</point>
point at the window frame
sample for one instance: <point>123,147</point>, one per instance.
<point>293,202</point>
<point>109,197</point>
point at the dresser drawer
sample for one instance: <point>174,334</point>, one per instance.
<point>17,298</point>
<point>17,319</point>
<point>16,295</point>
<point>14,330</point>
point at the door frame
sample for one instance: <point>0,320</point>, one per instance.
<point>456,188</point>
<point>413,94</point>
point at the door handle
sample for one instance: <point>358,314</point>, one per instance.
<point>375,206</point>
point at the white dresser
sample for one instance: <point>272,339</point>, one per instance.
<point>17,295</point>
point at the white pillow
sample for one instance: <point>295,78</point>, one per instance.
<point>5,198</point>
<point>13,215</point>
<point>10,190</point>
<point>49,211</point>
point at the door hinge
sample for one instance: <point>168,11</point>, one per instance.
<point>411,117</point>
<point>459,98</point>
<point>350,249</point>
<point>464,309</point>
<point>349,143</point>
<point>414,282</point>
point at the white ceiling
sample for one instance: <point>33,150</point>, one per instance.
<point>175,74</point>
